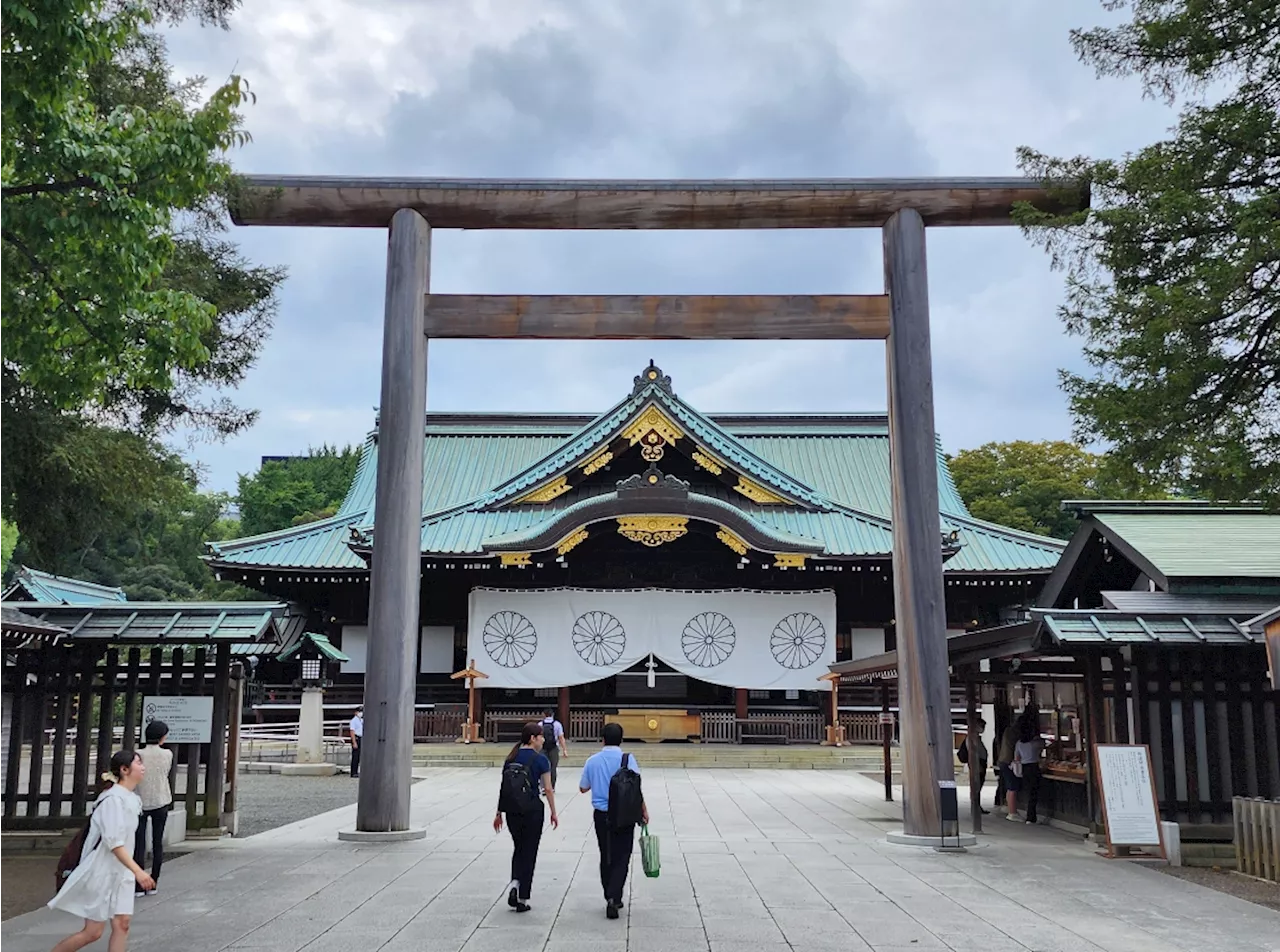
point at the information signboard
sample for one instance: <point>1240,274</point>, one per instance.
<point>1129,807</point>
<point>189,719</point>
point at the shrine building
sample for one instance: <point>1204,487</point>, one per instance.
<point>653,563</point>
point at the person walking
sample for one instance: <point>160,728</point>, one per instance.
<point>525,771</point>
<point>356,727</point>
<point>613,780</point>
<point>554,743</point>
<point>1027,756</point>
<point>101,887</point>
<point>156,798</point>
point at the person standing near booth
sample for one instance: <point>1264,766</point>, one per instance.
<point>357,739</point>
<point>157,800</point>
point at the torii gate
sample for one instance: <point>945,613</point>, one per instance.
<point>410,208</point>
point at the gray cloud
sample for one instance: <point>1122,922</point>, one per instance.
<point>655,90</point>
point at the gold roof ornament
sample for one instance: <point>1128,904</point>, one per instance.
<point>597,463</point>
<point>653,530</point>
<point>790,560</point>
<point>654,430</point>
<point>518,559</point>
<point>732,540</point>
<point>708,462</point>
<point>557,487</point>
<point>572,541</point>
<point>757,493</point>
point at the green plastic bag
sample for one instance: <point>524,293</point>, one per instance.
<point>649,853</point>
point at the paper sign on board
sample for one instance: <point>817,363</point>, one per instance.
<point>189,719</point>
<point>1128,795</point>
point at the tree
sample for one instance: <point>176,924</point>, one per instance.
<point>89,205</point>
<point>1174,274</point>
<point>1022,484</point>
<point>8,540</point>
<point>290,492</point>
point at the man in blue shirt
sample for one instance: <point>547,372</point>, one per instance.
<point>615,845</point>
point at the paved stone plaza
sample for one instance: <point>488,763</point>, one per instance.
<point>752,860</point>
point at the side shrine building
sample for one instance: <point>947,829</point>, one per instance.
<point>683,571</point>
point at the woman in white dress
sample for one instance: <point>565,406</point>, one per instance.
<point>102,886</point>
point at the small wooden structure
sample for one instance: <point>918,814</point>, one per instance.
<point>471,729</point>
<point>835,730</point>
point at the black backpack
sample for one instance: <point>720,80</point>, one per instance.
<point>71,856</point>
<point>518,794</point>
<point>626,801</point>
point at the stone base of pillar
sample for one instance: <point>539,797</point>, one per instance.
<point>380,836</point>
<point>899,838</point>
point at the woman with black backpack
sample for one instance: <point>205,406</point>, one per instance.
<point>526,769</point>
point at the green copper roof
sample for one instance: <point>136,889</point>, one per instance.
<point>835,467</point>
<point>321,642</point>
<point>1102,627</point>
<point>36,586</point>
<point>164,622</point>
<point>1199,543</point>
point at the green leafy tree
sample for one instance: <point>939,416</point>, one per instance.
<point>290,492</point>
<point>92,199</point>
<point>8,541</point>
<point>1174,274</point>
<point>1022,484</point>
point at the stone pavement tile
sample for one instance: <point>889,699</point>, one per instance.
<point>531,936</point>
<point>741,945</point>
<point>666,917</point>
<point>664,940</point>
<point>738,928</point>
<point>586,945</point>
<point>369,940</point>
<point>424,943</point>
<point>978,941</point>
<point>808,921</point>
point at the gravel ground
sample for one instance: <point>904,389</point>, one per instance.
<point>27,883</point>
<point>1229,882</point>
<point>266,801</point>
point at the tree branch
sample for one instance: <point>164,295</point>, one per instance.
<point>82,181</point>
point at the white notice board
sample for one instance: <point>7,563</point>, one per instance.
<point>1128,789</point>
<point>189,719</point>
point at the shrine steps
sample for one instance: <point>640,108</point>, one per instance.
<point>690,756</point>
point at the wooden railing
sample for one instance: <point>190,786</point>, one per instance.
<point>506,725</point>
<point>443,723</point>
<point>862,728</point>
<point>799,727</point>
<point>1256,825</point>
<point>585,725</point>
<point>719,727</point>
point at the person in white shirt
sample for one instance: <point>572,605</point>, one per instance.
<point>555,743</point>
<point>156,797</point>
<point>357,739</point>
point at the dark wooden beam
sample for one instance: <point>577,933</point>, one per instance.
<point>630,204</point>
<point>660,317</point>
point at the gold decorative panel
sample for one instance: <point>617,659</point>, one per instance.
<point>757,493</point>
<point>597,463</point>
<point>516,558</point>
<point>572,541</point>
<point>652,420</point>
<point>653,530</point>
<point>732,541</point>
<point>708,462</point>
<point>546,493</point>
<point>790,560</point>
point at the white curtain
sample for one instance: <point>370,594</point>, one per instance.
<point>566,636</point>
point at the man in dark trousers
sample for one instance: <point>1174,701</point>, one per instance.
<point>615,842</point>
<point>357,738</point>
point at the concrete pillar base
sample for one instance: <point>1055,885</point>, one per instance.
<point>380,836</point>
<point>899,838</point>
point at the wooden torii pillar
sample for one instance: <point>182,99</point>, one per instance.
<point>835,732</point>
<point>901,208</point>
<point>471,729</point>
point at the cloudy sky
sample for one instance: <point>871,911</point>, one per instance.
<point>597,88</point>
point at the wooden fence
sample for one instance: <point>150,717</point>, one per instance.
<point>792,727</point>
<point>862,728</point>
<point>585,725</point>
<point>1256,825</point>
<point>442,724</point>
<point>71,708</point>
<point>719,727</point>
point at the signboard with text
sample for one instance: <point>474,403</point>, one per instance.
<point>189,719</point>
<point>1127,787</point>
